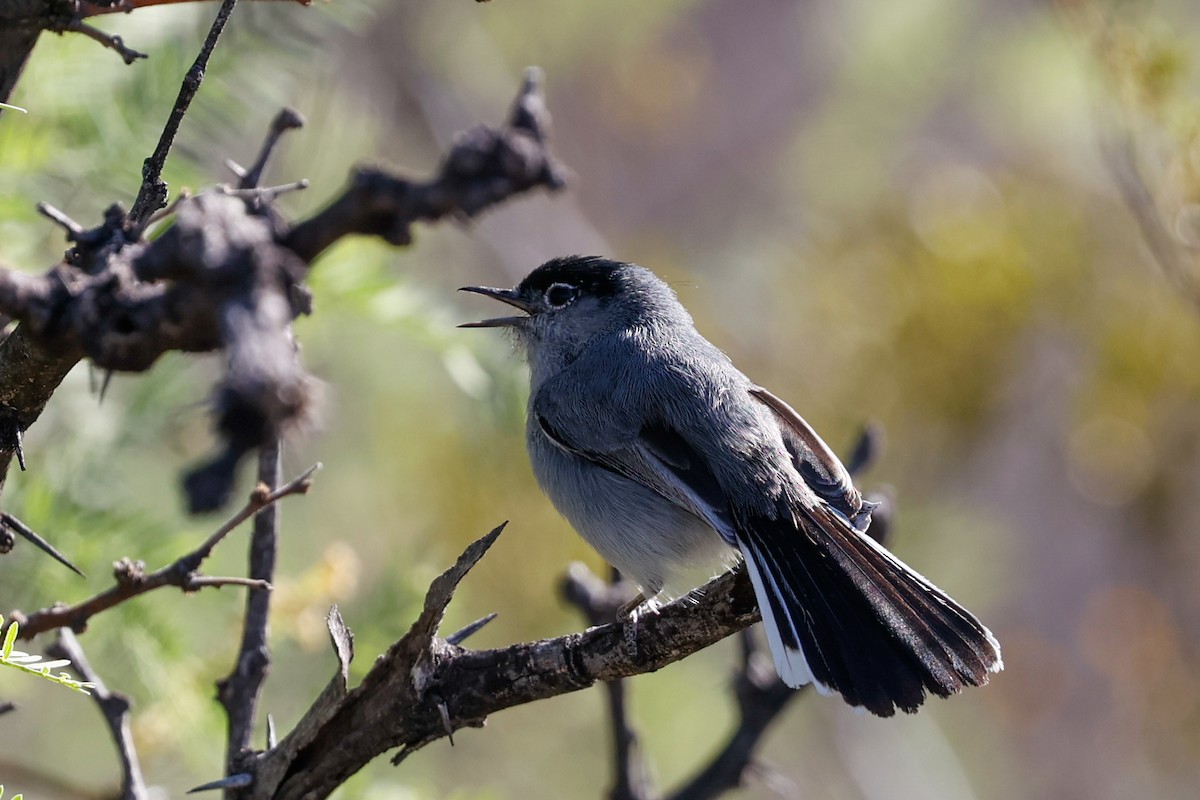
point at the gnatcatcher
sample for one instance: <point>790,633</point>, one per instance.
<point>664,456</point>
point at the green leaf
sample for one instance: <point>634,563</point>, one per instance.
<point>10,637</point>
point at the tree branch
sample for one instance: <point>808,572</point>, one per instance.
<point>114,707</point>
<point>131,579</point>
<point>484,167</point>
<point>153,193</point>
<point>238,692</point>
<point>228,274</point>
<point>397,703</point>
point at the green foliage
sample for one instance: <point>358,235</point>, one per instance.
<point>35,666</point>
<point>15,796</point>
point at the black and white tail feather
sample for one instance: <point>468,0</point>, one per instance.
<point>846,615</point>
<point>839,610</point>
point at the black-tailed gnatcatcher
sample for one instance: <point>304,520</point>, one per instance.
<point>664,456</point>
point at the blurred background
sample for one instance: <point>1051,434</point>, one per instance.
<point>906,213</point>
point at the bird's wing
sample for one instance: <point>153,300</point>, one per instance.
<point>821,470</point>
<point>659,458</point>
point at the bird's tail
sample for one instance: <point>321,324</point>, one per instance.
<point>843,613</point>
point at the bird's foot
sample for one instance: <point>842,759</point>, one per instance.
<point>631,614</point>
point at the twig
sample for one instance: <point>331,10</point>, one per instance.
<point>131,580</point>
<point>239,691</point>
<point>111,41</point>
<point>268,193</point>
<point>114,707</point>
<point>223,255</point>
<point>286,120</point>
<point>73,228</point>
<point>153,193</point>
<point>200,581</point>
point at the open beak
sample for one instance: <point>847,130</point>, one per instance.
<point>504,296</point>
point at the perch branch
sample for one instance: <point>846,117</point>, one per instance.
<point>397,703</point>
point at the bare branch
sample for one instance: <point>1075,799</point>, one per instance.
<point>396,704</point>
<point>287,119</point>
<point>483,167</point>
<point>229,275</point>
<point>153,193</point>
<point>73,229</point>
<point>111,41</point>
<point>761,698</point>
<point>132,580</point>
<point>239,692</point>
<point>114,707</point>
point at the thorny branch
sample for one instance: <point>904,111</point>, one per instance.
<point>114,707</point>
<point>132,580</point>
<point>228,274</point>
<point>423,687</point>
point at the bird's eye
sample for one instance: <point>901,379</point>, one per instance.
<point>561,294</point>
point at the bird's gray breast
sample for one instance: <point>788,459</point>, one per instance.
<point>649,539</point>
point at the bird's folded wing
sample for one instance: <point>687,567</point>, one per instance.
<point>660,459</point>
<point>821,470</point>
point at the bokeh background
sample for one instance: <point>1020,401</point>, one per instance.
<point>895,212</point>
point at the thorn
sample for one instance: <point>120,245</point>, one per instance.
<point>16,526</point>
<point>459,636</point>
<point>234,167</point>
<point>238,781</point>
<point>272,738</point>
<point>18,447</point>
<point>444,713</point>
<point>267,192</point>
<point>108,373</point>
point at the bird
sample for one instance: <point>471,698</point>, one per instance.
<point>664,457</point>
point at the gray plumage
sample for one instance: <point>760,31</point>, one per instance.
<point>665,458</point>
